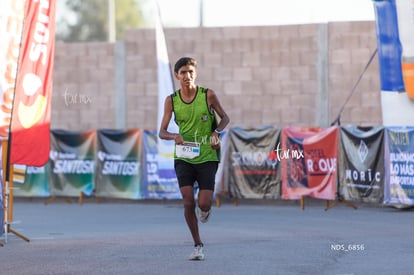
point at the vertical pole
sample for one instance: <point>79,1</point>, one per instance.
<point>120,86</point>
<point>10,183</point>
<point>6,210</point>
<point>111,21</point>
<point>5,152</point>
<point>201,13</point>
<point>8,199</point>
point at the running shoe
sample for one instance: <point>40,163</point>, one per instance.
<point>204,215</point>
<point>197,254</point>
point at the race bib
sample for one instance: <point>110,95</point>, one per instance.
<point>187,150</point>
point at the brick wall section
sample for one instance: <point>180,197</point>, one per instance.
<point>263,75</point>
<point>351,45</point>
<point>83,86</point>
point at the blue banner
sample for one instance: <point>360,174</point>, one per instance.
<point>158,182</point>
<point>36,182</point>
<point>389,46</point>
<point>399,166</point>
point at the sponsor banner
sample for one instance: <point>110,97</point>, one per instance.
<point>118,167</point>
<point>165,88</point>
<point>399,166</point>
<point>221,185</point>
<point>36,183</point>
<point>11,27</point>
<point>309,162</point>
<point>156,184</point>
<point>165,81</point>
<point>72,163</point>
<point>396,60</point>
<point>30,125</point>
<point>389,46</point>
<point>251,166</point>
<point>405,17</point>
<point>361,164</point>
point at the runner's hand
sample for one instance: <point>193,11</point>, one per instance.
<point>215,140</point>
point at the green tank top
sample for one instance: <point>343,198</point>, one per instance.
<point>196,123</point>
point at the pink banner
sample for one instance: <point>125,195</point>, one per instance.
<point>309,162</point>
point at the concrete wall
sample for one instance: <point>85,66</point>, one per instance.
<point>270,75</point>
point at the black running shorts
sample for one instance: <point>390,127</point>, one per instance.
<point>203,173</point>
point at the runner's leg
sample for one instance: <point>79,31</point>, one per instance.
<point>189,212</point>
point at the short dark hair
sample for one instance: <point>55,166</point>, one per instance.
<point>184,61</point>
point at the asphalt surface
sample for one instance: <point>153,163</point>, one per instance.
<point>251,238</point>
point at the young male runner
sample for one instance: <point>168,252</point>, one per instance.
<point>197,151</point>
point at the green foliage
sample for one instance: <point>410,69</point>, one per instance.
<point>87,20</point>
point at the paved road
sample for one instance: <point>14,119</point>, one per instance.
<point>151,238</point>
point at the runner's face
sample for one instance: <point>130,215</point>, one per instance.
<point>186,75</point>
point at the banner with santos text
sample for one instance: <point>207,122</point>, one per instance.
<point>118,164</point>
<point>30,124</point>
<point>72,163</point>
<point>309,162</point>
<point>251,168</point>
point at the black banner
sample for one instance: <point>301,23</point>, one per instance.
<point>361,163</point>
<point>72,162</point>
<point>118,167</point>
<point>251,168</point>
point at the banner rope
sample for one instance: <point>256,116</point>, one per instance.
<point>338,117</point>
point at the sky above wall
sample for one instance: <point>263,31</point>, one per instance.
<point>186,13</point>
